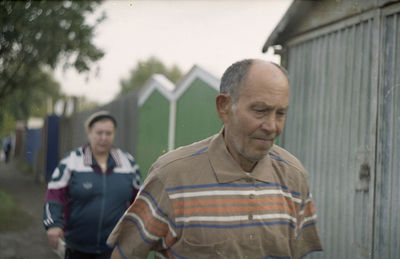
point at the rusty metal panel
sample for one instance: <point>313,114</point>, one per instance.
<point>331,129</point>
<point>387,215</point>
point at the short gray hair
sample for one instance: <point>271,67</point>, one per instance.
<point>233,78</point>
<point>236,74</point>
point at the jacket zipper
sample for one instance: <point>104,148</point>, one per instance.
<point>99,227</point>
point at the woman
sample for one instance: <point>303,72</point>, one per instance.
<point>89,191</point>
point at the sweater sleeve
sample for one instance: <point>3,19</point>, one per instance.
<point>57,197</point>
<point>147,225</point>
<point>307,240</point>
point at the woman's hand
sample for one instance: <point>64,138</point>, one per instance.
<point>53,234</point>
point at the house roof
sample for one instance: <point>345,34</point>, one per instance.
<point>194,73</point>
<point>307,15</point>
<point>293,14</point>
<point>156,82</point>
<point>173,92</point>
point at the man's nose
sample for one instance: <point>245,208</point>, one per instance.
<point>269,123</point>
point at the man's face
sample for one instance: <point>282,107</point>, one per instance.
<point>101,136</point>
<point>258,117</point>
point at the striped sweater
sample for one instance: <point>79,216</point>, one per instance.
<point>198,203</point>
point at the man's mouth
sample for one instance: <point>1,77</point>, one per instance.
<point>265,140</point>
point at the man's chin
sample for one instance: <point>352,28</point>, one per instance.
<point>257,157</point>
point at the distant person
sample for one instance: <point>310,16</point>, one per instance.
<point>89,191</point>
<point>232,195</point>
<point>7,148</point>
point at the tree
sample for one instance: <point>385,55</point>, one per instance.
<point>144,70</point>
<point>32,101</point>
<point>86,104</point>
<point>39,34</point>
<point>25,102</point>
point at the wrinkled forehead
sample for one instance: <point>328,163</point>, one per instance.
<point>265,79</point>
<point>268,71</point>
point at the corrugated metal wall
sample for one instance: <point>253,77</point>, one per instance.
<point>331,129</point>
<point>387,215</point>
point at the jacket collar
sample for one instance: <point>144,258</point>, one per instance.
<point>89,160</point>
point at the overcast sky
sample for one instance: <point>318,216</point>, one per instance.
<point>211,34</point>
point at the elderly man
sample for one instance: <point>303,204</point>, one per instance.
<point>233,195</point>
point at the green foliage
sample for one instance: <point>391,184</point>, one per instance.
<point>11,217</point>
<point>37,34</point>
<point>25,102</point>
<point>144,70</point>
<point>32,101</point>
<point>7,123</point>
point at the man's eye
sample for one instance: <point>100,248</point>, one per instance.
<point>259,110</point>
<point>281,113</point>
<point>259,113</point>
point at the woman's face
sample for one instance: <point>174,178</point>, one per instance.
<point>101,136</point>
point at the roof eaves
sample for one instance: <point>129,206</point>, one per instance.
<point>294,13</point>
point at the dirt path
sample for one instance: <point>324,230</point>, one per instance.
<point>32,242</point>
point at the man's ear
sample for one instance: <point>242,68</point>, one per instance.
<point>224,106</point>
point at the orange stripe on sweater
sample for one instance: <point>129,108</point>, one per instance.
<point>187,203</point>
<point>309,209</point>
<point>200,210</point>
<point>169,240</point>
<point>150,222</point>
<point>170,255</point>
<point>149,216</point>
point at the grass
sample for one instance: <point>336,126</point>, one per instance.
<point>23,166</point>
<point>12,218</point>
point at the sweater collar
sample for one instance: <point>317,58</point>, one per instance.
<point>228,170</point>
